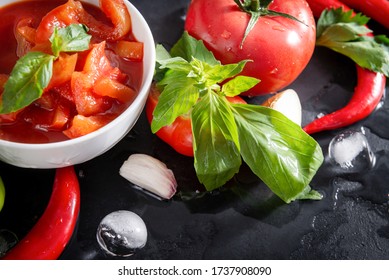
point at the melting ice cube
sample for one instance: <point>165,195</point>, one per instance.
<point>121,233</point>
<point>351,151</point>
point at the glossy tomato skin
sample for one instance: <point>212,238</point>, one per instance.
<point>280,48</point>
<point>179,134</point>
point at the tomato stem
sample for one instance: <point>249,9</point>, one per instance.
<point>255,5</point>
<point>256,9</point>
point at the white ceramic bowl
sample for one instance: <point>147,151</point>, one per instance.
<point>79,150</point>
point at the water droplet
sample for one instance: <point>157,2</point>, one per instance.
<point>81,173</point>
<point>121,233</point>
<point>226,34</point>
<point>351,151</point>
<point>274,71</point>
<point>278,28</point>
<point>8,239</point>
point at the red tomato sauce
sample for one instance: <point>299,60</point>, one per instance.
<point>40,122</point>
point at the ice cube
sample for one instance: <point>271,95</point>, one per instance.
<point>121,233</point>
<point>351,151</point>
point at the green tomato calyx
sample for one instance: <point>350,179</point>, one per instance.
<point>257,9</point>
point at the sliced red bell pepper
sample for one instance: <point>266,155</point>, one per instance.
<point>48,238</point>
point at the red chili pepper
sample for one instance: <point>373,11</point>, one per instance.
<point>367,94</point>
<point>179,134</point>
<point>376,9</point>
<point>47,239</point>
<point>365,99</point>
<point>318,6</point>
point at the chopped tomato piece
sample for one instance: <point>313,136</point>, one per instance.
<point>25,29</point>
<point>117,13</point>
<point>63,69</point>
<point>130,50</point>
<point>91,99</point>
<point>47,101</point>
<point>114,89</point>
<point>9,118</point>
<point>60,118</point>
<point>87,103</point>
<point>65,91</point>
<point>82,125</point>
<point>25,36</point>
<point>3,80</point>
<point>49,113</point>
<point>97,63</point>
<point>59,17</point>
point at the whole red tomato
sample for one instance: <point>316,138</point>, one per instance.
<point>279,47</point>
<point>179,134</point>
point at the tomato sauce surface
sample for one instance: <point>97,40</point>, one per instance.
<point>29,125</point>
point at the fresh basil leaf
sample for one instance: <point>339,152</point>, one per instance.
<point>175,63</point>
<point>238,85</point>
<point>72,38</point>
<point>28,79</point>
<point>164,61</point>
<point>343,32</point>
<point>277,150</point>
<point>330,17</point>
<point>160,54</point>
<point>177,98</point>
<point>188,47</point>
<point>309,194</point>
<point>348,35</point>
<point>218,73</point>
<point>215,141</point>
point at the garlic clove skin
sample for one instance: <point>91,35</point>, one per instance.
<point>149,174</point>
<point>288,103</point>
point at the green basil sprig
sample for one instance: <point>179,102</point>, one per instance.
<point>32,72</point>
<point>276,149</point>
<point>348,34</point>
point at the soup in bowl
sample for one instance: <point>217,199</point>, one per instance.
<point>75,77</point>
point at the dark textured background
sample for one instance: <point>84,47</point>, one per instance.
<point>243,220</point>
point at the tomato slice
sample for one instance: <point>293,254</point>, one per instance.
<point>114,89</point>
<point>25,36</point>
<point>59,17</point>
<point>51,112</point>
<point>87,103</point>
<point>82,125</point>
<point>179,134</point>
<point>96,66</point>
<point>130,50</point>
<point>63,69</point>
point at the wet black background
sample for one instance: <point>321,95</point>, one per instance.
<point>243,220</point>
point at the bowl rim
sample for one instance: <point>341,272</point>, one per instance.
<point>148,74</point>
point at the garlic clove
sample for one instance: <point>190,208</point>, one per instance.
<point>149,174</point>
<point>288,103</point>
